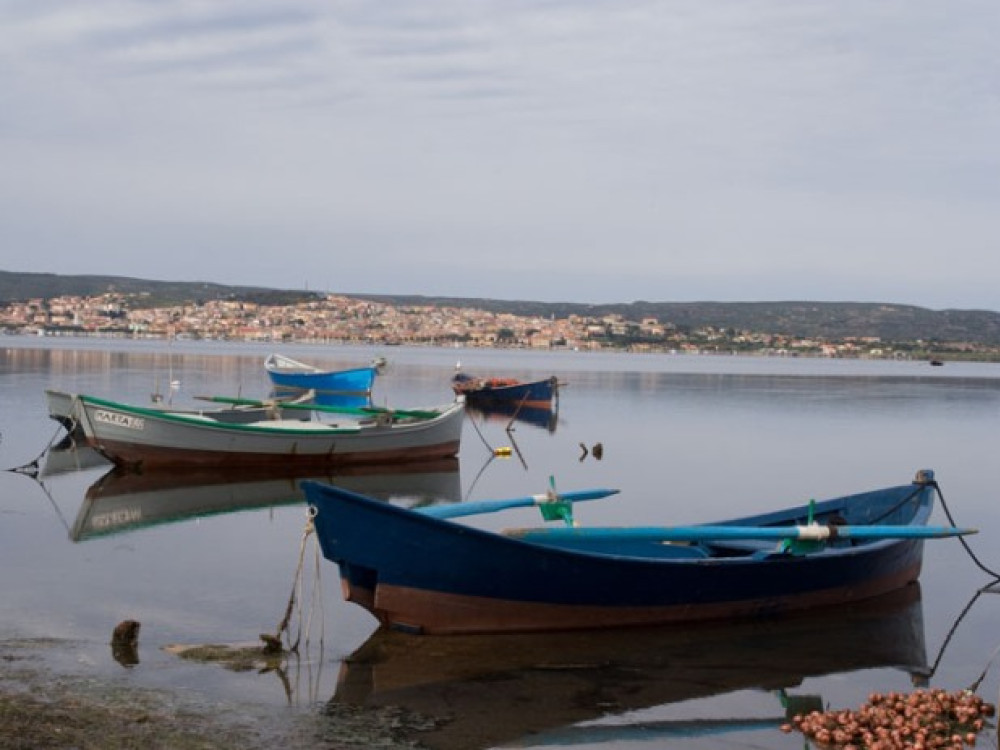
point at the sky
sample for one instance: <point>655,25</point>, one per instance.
<point>551,150</point>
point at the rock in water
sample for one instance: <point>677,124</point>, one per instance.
<point>125,643</point>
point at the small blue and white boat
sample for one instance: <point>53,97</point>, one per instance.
<point>289,374</point>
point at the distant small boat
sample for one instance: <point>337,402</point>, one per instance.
<point>506,390</point>
<point>151,438</point>
<point>937,363</point>
<point>427,574</point>
<point>287,373</point>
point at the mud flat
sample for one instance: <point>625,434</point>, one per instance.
<point>42,708</point>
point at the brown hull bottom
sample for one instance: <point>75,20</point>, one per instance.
<point>141,457</point>
<point>435,613</point>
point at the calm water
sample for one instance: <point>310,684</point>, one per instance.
<point>686,439</point>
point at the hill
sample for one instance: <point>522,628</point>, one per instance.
<point>828,320</point>
<point>16,286</point>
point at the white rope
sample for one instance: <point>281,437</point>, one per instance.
<point>317,596</point>
<point>297,587</point>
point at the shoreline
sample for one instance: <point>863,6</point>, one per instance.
<point>32,341</point>
<point>42,706</point>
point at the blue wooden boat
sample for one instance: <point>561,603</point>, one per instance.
<point>287,373</point>
<point>423,574</point>
<point>532,393</point>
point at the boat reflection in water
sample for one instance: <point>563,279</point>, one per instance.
<point>122,500</point>
<point>335,399</point>
<point>484,691</point>
<point>70,454</point>
<point>510,414</point>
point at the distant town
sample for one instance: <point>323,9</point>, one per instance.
<point>339,319</point>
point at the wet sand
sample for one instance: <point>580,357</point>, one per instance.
<point>41,708</point>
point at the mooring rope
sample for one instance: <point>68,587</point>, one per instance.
<point>31,468</point>
<point>316,600</point>
<point>965,544</point>
<point>283,626</point>
<point>489,447</point>
<point>951,633</point>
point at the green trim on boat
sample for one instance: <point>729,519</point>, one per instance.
<point>207,421</point>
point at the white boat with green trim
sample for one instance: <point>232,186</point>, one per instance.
<point>333,436</point>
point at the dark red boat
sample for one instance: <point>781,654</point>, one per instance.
<point>537,393</point>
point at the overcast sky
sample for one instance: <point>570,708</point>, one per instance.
<point>553,150</point>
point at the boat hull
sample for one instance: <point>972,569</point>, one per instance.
<point>60,405</point>
<point>537,394</point>
<point>293,375</point>
<point>481,582</point>
<point>148,438</point>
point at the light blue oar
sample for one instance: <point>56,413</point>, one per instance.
<point>812,532</point>
<point>477,507</point>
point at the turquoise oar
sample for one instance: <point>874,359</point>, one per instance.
<point>814,532</point>
<point>477,507</point>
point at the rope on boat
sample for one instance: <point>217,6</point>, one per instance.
<point>989,663</point>
<point>951,634</point>
<point>968,607</point>
<point>317,595</point>
<point>489,447</point>
<point>297,596</point>
<point>968,549</point>
<point>479,474</point>
<point>32,467</point>
<point>513,418</point>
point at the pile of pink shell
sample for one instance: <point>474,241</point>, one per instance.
<point>921,720</point>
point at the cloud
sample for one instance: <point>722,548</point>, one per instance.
<point>604,150</point>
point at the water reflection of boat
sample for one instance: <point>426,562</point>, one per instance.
<point>124,501</point>
<point>339,400</point>
<point>70,455</point>
<point>483,691</point>
<point>538,416</point>
<point>324,398</point>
